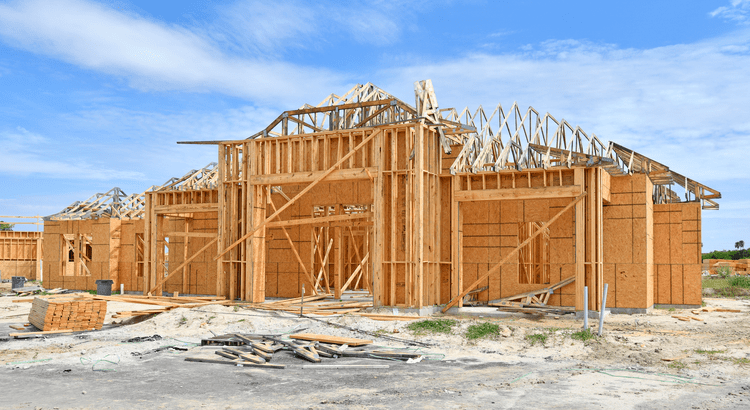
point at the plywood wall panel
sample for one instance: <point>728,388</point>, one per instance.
<point>677,284</point>
<point>536,210</point>
<point>692,289</point>
<point>618,240</point>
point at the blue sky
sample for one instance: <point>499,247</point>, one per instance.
<point>95,94</point>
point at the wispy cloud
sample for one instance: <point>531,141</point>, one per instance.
<point>737,11</point>
<point>26,153</point>
<point>272,29</point>
<point>155,55</point>
<point>684,105</point>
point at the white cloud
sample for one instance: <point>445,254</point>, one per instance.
<point>736,11</point>
<point>154,55</point>
<point>26,153</point>
<point>683,105</point>
<point>273,28</point>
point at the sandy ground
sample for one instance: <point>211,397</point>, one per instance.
<point>622,369</point>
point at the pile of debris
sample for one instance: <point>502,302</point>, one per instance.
<point>687,318</point>
<point>257,350</point>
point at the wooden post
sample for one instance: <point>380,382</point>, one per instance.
<point>419,204</point>
<point>580,241</point>
<point>456,275</point>
<point>376,247</point>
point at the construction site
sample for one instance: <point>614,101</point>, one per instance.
<point>485,257</point>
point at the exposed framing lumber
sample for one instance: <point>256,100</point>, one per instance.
<point>320,220</point>
<point>161,281</point>
<point>299,195</point>
<point>308,274</point>
<point>497,267</point>
<point>519,193</point>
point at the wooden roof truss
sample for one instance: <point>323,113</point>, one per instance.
<point>204,178</point>
<point>115,203</point>
<point>512,139</point>
<point>665,179</point>
<point>111,204</point>
<point>362,106</point>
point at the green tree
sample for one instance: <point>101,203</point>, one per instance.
<point>6,227</point>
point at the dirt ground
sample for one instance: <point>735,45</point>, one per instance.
<point>622,369</point>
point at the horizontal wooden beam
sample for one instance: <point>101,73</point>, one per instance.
<point>296,178</point>
<point>191,234</point>
<point>321,220</point>
<point>162,209</point>
<point>518,193</point>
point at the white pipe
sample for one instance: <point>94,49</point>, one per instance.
<point>604,305</point>
<point>585,307</point>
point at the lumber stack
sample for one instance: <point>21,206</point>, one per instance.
<point>67,314</point>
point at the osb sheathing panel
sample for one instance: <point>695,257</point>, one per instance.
<point>618,240</point>
<point>632,242</point>
<point>692,290</point>
<point>661,243</point>
<point>631,284</point>
<point>610,278</point>
<point>677,284</point>
<point>26,269</point>
<point>641,241</point>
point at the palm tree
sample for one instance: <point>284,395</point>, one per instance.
<point>739,245</point>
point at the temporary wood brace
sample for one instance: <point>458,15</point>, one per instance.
<point>536,298</point>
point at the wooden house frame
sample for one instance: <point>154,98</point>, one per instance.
<point>442,202</point>
<point>21,254</point>
<point>104,237</point>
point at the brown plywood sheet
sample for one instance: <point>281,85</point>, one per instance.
<point>677,285</point>
<point>691,278</point>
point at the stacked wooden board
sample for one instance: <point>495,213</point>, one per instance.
<point>67,313</point>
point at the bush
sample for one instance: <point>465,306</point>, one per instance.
<point>583,335</point>
<point>537,338</point>
<point>432,326</point>
<point>482,330</point>
<point>723,271</point>
<point>739,282</point>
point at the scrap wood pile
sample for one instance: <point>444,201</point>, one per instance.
<point>34,290</point>
<point>708,309</point>
<point>534,301</point>
<point>326,305</point>
<point>257,350</point>
<point>164,303</point>
<point>321,304</point>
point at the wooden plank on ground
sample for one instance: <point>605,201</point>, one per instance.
<point>331,339</point>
